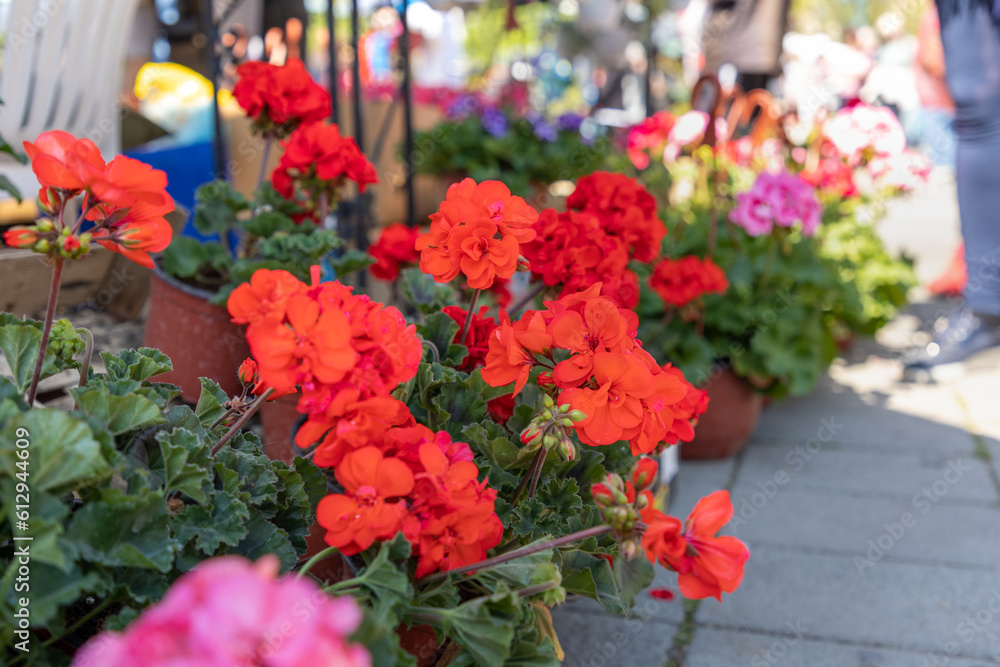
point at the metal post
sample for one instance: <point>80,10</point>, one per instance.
<point>404,48</point>
<point>361,212</point>
<point>332,85</point>
<point>212,60</point>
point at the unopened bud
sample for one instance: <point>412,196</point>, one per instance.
<point>546,414</point>
<point>564,407</point>
<point>549,403</point>
<point>576,415</point>
<point>566,449</point>
<point>530,434</point>
<point>44,225</point>
<point>629,549</point>
<point>644,473</point>
<point>567,422</point>
<point>550,441</point>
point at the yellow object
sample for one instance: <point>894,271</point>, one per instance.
<point>180,82</point>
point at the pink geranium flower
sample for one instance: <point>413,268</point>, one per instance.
<point>906,171</point>
<point>228,612</point>
<point>777,199</point>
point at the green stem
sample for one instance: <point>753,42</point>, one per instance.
<point>518,553</point>
<point>265,155</point>
<point>238,424</point>
<point>468,318</point>
<point>537,473</point>
<point>93,612</point>
<point>537,588</point>
<point>528,474</point>
<point>50,313</point>
<point>325,553</point>
<point>772,249</point>
<point>88,354</point>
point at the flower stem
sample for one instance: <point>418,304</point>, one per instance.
<point>528,298</point>
<point>88,354</point>
<point>536,475</point>
<point>238,424</point>
<point>528,474</point>
<point>537,588</point>
<point>50,313</point>
<point>325,553</point>
<point>523,551</point>
<point>265,155</point>
<point>468,317</point>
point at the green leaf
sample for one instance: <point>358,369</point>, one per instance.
<point>186,463</point>
<point>46,516</point>
<point>440,330</point>
<point>217,208</point>
<point>426,295</point>
<point>379,636</point>
<point>7,186</point>
<point>351,261</point>
<point>256,484</point>
<point>385,578</point>
<point>267,223</point>
<point>520,572</point>
<point>211,403</point>
<point>264,538</point>
<point>297,499</point>
<point>633,576</point>
<point>223,521</point>
<point>121,620</point>
<point>121,413</point>
<point>51,588</point>
<point>19,344</point>
<point>136,364</point>
<point>586,574</point>
<point>64,452</point>
<point>484,626</point>
<point>120,530</point>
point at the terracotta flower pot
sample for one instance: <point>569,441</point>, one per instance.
<point>278,419</point>
<point>420,642</point>
<point>196,335</point>
<point>733,410</point>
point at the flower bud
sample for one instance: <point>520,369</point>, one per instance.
<point>20,237</point>
<point>42,246</point>
<point>248,371</point>
<point>530,434</point>
<point>550,441</point>
<point>45,225</point>
<point>567,422</point>
<point>564,407</point>
<point>576,415</point>
<point>603,496</point>
<point>629,549</point>
<point>642,502</point>
<point>644,473</point>
<point>566,449</point>
<point>546,414</point>
<point>547,400</point>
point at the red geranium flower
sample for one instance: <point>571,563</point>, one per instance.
<point>679,282</point>
<point>395,249</point>
<point>707,565</point>
<point>477,339</point>
<point>279,98</point>
<point>62,162</point>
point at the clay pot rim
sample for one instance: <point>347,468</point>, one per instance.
<point>182,286</point>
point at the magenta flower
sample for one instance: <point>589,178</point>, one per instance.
<point>228,612</point>
<point>777,199</point>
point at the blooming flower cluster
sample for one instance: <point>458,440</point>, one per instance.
<point>477,231</point>
<point>228,612</point>
<point>394,250</point>
<point>904,171</point>
<point>125,198</point>
<point>316,163</point>
<point>679,282</point>
<point>611,219</point>
<point>477,339</point>
<point>413,480</point>
<point>687,411</point>
<point>346,352</point>
<point>861,132</point>
<point>707,565</point>
<point>588,346</point>
<point>777,199</point>
<point>280,98</point>
<point>663,136</point>
<point>833,176</point>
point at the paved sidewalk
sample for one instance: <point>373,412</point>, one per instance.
<point>872,513</point>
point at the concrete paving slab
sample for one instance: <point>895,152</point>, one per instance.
<point>872,472</point>
<point>715,648</point>
<point>917,608</point>
<point>921,527</point>
<point>600,640</point>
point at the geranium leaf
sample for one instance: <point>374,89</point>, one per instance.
<point>484,626</point>
<point>633,576</point>
<point>120,530</point>
<point>186,463</point>
<point>64,450</point>
<point>120,413</point>
<point>440,330</point>
<point>264,538</point>
<point>223,521</point>
<point>350,262</point>
<point>51,588</point>
<point>426,295</point>
<point>19,344</point>
<point>586,574</point>
<point>211,402</point>
<point>136,364</point>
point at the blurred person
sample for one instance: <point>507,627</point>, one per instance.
<point>970,35</point>
<point>748,35</point>
<point>936,117</point>
<point>892,81</point>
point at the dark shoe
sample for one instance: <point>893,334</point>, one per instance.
<point>957,337</point>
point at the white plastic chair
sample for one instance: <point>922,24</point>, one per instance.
<point>63,63</point>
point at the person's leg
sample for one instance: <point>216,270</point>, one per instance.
<point>978,180</point>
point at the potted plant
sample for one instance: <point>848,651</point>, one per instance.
<point>285,224</point>
<point>527,152</point>
<point>119,496</point>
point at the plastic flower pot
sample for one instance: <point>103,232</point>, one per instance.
<point>733,410</point>
<point>196,335</point>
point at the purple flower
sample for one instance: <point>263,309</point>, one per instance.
<point>494,122</point>
<point>544,130</point>
<point>569,122</point>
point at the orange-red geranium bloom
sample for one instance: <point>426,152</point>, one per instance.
<point>280,95</point>
<point>458,538</point>
<point>614,409</point>
<point>63,162</point>
<point>708,566</point>
<point>264,298</point>
<point>354,521</point>
<point>477,231</point>
<point>506,360</point>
